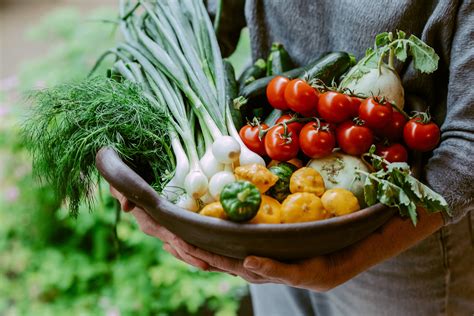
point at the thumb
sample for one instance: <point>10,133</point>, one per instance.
<point>124,202</point>
<point>270,269</point>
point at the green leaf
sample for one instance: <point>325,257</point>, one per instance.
<point>430,200</point>
<point>401,34</point>
<point>370,191</point>
<point>425,58</point>
<point>387,193</point>
<point>401,51</point>
<point>382,39</point>
<point>369,51</point>
<point>400,166</point>
<point>412,213</point>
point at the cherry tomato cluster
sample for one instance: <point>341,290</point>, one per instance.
<point>320,121</point>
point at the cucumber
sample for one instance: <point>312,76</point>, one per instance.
<point>327,68</point>
<point>231,93</point>
<point>279,60</point>
<point>274,115</point>
<point>253,72</point>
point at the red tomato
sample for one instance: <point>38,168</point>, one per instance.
<point>392,153</point>
<point>301,97</point>
<point>281,146</point>
<point>374,113</point>
<point>249,135</point>
<point>393,131</point>
<point>421,136</point>
<point>334,107</point>
<point>296,126</point>
<point>355,104</point>
<point>317,142</point>
<point>353,138</point>
<point>276,92</point>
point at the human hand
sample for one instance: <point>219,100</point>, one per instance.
<point>323,273</point>
<point>320,273</point>
<point>317,274</point>
<point>150,227</point>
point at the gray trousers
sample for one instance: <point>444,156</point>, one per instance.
<point>435,277</point>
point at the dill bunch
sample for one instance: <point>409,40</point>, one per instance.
<point>69,123</point>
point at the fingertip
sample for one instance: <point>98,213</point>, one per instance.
<point>252,262</point>
<point>204,266</point>
<point>127,206</point>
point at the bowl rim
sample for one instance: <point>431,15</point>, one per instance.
<point>108,163</point>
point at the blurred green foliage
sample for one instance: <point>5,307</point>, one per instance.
<point>52,264</point>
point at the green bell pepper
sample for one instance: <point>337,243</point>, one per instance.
<point>240,200</point>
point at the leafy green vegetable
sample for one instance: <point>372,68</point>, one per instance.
<point>394,186</point>
<point>424,57</point>
<point>71,122</point>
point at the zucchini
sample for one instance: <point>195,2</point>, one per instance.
<point>327,68</point>
<point>231,93</point>
<point>253,72</point>
<point>279,60</point>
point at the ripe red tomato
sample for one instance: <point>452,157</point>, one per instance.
<point>317,141</point>
<point>355,104</point>
<point>301,97</point>
<point>354,139</point>
<point>276,92</point>
<point>393,131</point>
<point>421,136</point>
<point>375,114</point>
<point>296,126</point>
<point>392,153</point>
<point>281,146</point>
<point>334,107</point>
<point>249,135</point>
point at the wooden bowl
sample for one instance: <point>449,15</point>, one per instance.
<point>277,241</point>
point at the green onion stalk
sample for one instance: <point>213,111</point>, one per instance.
<point>172,51</point>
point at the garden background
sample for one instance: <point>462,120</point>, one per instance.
<point>99,263</point>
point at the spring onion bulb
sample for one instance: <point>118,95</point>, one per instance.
<point>246,156</point>
<point>188,203</point>
<point>176,184</point>
<point>218,181</point>
<point>209,164</point>
<point>226,149</point>
<point>196,183</point>
<point>207,198</point>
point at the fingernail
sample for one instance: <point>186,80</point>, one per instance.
<point>251,263</point>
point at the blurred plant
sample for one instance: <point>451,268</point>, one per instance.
<point>76,43</point>
<point>52,264</point>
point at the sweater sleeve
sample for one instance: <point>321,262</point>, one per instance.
<point>450,171</point>
<point>231,23</point>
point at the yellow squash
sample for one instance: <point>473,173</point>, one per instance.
<point>307,180</point>
<point>258,175</point>
<point>269,212</point>
<point>214,209</point>
<point>302,207</point>
<point>340,201</point>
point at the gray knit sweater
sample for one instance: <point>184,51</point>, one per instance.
<point>309,28</point>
